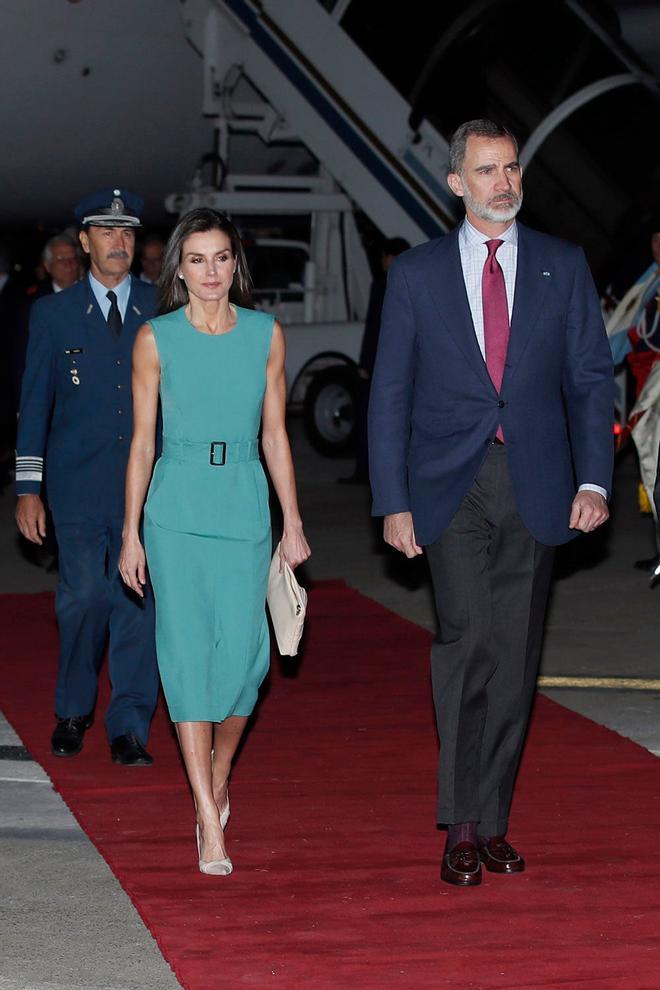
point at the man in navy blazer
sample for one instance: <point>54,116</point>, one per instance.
<point>490,443</point>
<point>76,418</point>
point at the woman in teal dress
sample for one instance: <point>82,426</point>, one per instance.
<point>219,370</point>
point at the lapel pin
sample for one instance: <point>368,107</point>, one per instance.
<point>546,274</point>
<point>136,310</point>
<point>90,308</point>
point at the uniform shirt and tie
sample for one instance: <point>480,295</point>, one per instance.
<point>473,250</point>
<point>104,297</point>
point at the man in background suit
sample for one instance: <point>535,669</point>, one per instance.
<point>152,252</point>
<point>76,416</point>
<point>61,262</point>
<point>60,258</point>
<point>490,432</point>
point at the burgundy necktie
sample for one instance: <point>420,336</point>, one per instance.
<point>496,317</point>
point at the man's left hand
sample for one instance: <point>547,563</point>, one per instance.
<point>589,511</point>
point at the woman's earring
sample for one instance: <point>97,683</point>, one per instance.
<point>180,275</point>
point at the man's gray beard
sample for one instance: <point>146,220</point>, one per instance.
<point>491,214</point>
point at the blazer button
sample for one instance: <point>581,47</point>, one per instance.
<point>501,404</point>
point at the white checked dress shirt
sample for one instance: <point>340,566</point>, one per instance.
<point>473,251</point>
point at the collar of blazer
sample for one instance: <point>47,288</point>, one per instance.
<point>533,278</point>
<point>451,301</point>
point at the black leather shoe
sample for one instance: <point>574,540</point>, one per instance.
<point>129,751</point>
<point>67,739</point>
<point>499,857</point>
<point>462,865</point>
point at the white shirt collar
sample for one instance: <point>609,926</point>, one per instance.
<point>473,237</point>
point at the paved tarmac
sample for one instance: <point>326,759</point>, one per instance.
<point>64,920</point>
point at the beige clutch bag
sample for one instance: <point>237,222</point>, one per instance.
<point>287,603</point>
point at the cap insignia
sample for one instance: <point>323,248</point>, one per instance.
<point>117,205</point>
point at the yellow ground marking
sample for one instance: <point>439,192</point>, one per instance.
<point>623,683</point>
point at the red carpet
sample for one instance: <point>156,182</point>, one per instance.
<point>336,855</point>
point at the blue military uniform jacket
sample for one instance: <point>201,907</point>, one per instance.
<point>76,409</point>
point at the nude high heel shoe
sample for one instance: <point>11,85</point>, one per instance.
<point>214,867</point>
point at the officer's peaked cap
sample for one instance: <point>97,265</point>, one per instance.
<point>110,208</point>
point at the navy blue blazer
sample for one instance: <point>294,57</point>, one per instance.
<point>434,409</point>
<point>76,405</point>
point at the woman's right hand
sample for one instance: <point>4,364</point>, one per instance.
<point>294,548</point>
<point>133,566</point>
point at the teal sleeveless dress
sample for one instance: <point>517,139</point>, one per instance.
<point>206,520</point>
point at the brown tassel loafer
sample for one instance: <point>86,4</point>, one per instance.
<point>462,865</point>
<point>500,857</point>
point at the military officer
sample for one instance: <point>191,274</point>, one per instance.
<point>76,418</point>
